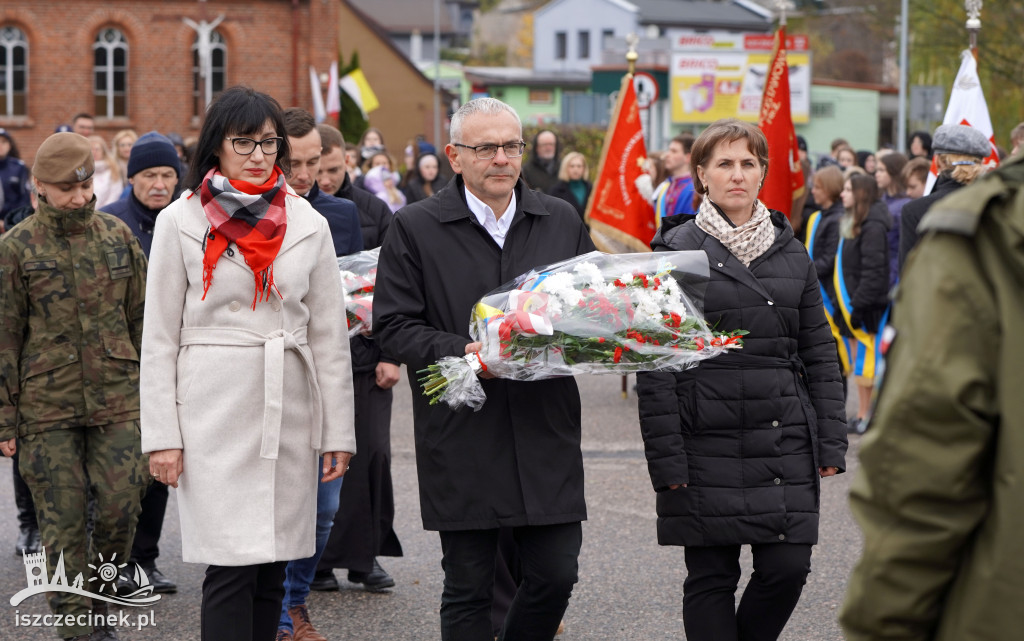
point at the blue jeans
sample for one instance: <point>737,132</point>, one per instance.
<point>299,574</point>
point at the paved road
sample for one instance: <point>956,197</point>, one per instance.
<point>630,588</point>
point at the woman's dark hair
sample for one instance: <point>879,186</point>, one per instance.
<point>894,163</point>
<point>727,130</point>
<point>13,153</point>
<point>862,158</point>
<point>926,142</point>
<point>865,193</point>
<point>239,111</point>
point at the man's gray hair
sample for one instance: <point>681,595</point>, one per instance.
<point>486,106</point>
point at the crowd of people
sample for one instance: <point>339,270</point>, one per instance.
<point>243,226</point>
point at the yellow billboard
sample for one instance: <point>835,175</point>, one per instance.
<point>728,82</point>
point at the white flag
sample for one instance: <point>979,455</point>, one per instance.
<point>333,97</point>
<point>318,98</point>
<point>967,106</point>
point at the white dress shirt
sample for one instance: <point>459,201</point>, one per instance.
<point>496,227</point>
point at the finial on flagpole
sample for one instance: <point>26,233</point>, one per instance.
<point>631,55</point>
<point>973,8</point>
<point>782,6</point>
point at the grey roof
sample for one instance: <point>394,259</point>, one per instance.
<point>526,76</point>
<point>701,14</point>
<point>405,16</point>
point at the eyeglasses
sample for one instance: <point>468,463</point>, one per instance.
<point>245,146</point>
<point>486,152</point>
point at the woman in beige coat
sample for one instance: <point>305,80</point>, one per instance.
<point>245,365</point>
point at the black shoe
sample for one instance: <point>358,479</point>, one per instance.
<point>28,541</point>
<point>160,583</point>
<point>375,580</point>
<point>324,581</point>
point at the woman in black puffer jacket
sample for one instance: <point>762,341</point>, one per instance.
<point>735,446</point>
<point>861,280</point>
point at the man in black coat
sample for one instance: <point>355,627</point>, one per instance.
<point>367,497</point>
<point>541,169</point>
<point>516,463</point>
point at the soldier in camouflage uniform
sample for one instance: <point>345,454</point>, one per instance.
<point>939,495</point>
<point>72,294</point>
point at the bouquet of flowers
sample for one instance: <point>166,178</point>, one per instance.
<point>596,313</point>
<point>358,276</point>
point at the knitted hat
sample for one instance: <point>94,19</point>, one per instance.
<point>153,150</point>
<point>961,139</point>
<point>63,158</point>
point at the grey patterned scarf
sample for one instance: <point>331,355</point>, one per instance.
<point>747,241</point>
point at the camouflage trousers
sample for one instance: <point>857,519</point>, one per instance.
<point>62,468</point>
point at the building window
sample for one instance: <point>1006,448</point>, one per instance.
<point>13,71</point>
<point>204,91</point>
<point>541,97</point>
<point>584,41</point>
<point>110,74</point>
<point>560,45</point>
<point>606,38</point>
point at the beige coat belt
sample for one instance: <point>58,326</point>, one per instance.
<point>274,344</point>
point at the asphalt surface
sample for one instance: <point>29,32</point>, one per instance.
<point>630,588</point>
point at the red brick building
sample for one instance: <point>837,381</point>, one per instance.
<point>133,64</point>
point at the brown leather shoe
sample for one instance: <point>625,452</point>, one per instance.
<point>304,630</point>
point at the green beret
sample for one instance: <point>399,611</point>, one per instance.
<point>64,158</point>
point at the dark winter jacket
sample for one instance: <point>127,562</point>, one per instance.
<point>374,215</point>
<point>895,205</point>
<point>517,461</point>
<point>866,271</point>
<point>564,191</point>
<point>826,239</point>
<point>537,173</point>
<point>414,189</point>
<point>747,431</point>
<point>342,217</point>
<point>14,180</point>
<point>915,210</point>
<point>139,218</point>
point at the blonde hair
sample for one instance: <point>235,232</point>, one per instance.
<point>112,165</point>
<point>124,133</point>
<point>963,174</point>
<point>563,169</point>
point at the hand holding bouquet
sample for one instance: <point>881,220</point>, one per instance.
<point>596,313</point>
<point>358,277</point>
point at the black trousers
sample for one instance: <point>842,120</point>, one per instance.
<point>242,603</point>
<point>709,591</point>
<point>23,499</point>
<point>146,546</point>
<point>549,564</point>
<point>507,577</point>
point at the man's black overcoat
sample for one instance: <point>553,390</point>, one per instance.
<point>517,461</point>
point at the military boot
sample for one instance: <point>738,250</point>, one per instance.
<point>101,629</point>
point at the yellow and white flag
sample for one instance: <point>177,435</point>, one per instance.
<point>356,86</point>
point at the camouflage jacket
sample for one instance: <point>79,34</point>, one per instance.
<point>72,292</point>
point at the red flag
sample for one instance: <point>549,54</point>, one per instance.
<point>620,218</point>
<point>785,181</point>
